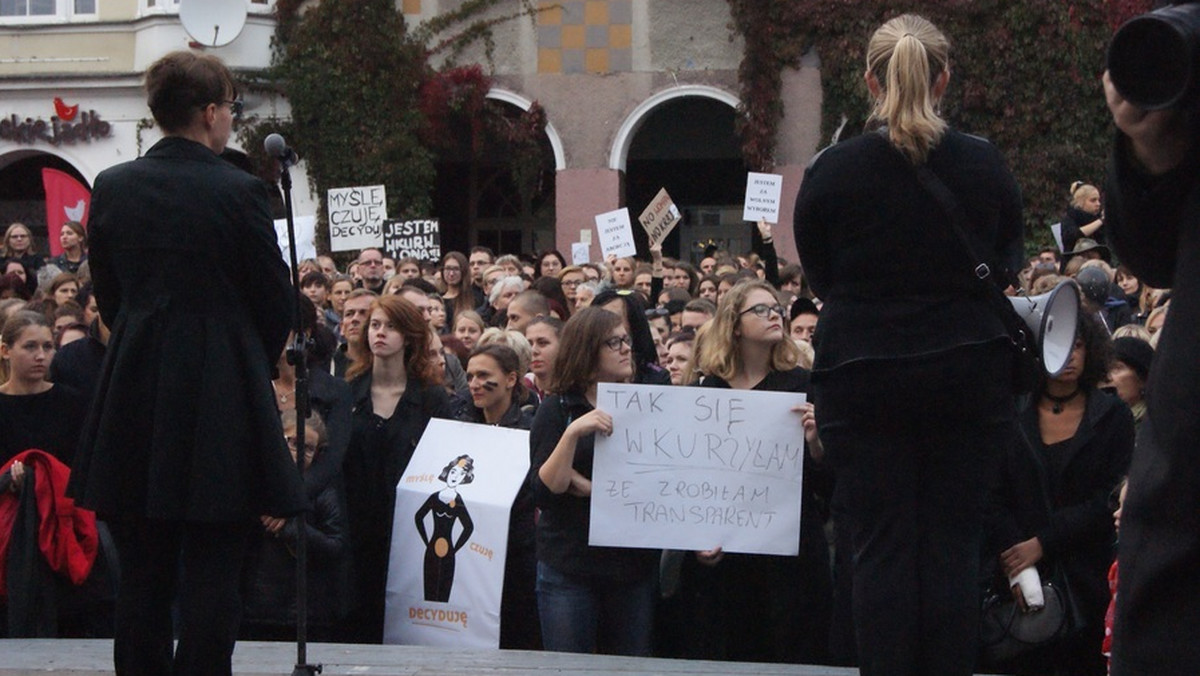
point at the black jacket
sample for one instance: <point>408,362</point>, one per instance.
<point>188,274</point>
<point>1064,503</point>
<point>1154,225</point>
<point>871,238</point>
<point>78,364</point>
<point>330,397</point>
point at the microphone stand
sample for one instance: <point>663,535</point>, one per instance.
<point>297,356</point>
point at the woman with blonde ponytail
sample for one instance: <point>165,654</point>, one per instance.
<point>912,376</point>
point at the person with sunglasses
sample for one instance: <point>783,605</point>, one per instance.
<point>733,597</point>
<point>589,598</point>
<point>184,450</point>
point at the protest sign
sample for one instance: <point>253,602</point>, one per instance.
<point>762,197</point>
<point>660,217</point>
<point>356,217</point>
<point>1056,230</point>
<point>419,239</point>
<point>450,535</point>
<point>580,253</point>
<point>697,468</point>
<point>616,234</point>
<point>585,236</point>
<point>306,232</point>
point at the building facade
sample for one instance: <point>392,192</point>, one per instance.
<point>639,95</point>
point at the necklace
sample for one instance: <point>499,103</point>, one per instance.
<point>283,396</point>
<point>1059,402</point>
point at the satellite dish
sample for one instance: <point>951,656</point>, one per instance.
<point>213,23</point>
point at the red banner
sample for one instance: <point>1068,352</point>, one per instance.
<point>66,200</point>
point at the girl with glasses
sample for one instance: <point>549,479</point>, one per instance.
<point>590,598</point>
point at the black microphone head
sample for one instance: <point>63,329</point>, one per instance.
<point>275,146</point>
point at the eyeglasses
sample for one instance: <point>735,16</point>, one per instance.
<point>573,283</point>
<point>616,342</point>
<point>763,311</point>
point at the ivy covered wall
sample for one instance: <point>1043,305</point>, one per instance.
<point>1025,74</point>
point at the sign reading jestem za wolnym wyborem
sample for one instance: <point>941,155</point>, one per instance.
<point>762,197</point>
<point>356,217</point>
<point>698,468</point>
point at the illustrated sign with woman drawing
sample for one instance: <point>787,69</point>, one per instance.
<point>448,508</point>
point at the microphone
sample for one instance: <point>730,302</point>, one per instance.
<point>278,148</point>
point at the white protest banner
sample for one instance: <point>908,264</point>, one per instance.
<point>660,217</point>
<point>1056,230</point>
<point>306,232</point>
<point>580,253</point>
<point>356,217</point>
<point>762,197</point>
<point>616,234</point>
<point>419,239</point>
<point>697,468</point>
<point>450,535</point>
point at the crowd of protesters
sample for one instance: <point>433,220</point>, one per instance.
<point>522,341</point>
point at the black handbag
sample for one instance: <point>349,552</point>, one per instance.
<point>1026,360</point>
<point>1007,633</point>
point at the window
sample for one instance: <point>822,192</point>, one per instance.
<point>33,11</point>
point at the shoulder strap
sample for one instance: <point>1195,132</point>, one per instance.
<point>949,203</point>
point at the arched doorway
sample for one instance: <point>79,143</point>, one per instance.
<point>500,193</point>
<point>684,140</point>
<point>22,197</point>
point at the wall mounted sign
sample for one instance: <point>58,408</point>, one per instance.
<point>59,129</point>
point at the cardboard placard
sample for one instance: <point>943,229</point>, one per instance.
<point>762,197</point>
<point>580,253</point>
<point>660,217</point>
<point>697,468</point>
<point>356,217</point>
<point>450,535</point>
<point>420,239</point>
<point>616,233</point>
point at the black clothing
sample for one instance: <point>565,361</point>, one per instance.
<point>271,598</point>
<point>520,628</point>
<point>340,362</point>
<point>184,425</point>
<point>1155,228</point>
<point>564,522</point>
<point>761,608</point>
<point>869,235</point>
<point>379,451</point>
<point>440,546</point>
<point>77,364</point>
<point>49,421</point>
<point>32,263</point>
<point>1072,221</point>
<point>1059,494</point>
<point>330,397</point>
<point>183,446</point>
<point>911,381</point>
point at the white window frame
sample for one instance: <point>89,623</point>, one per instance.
<point>64,12</point>
<point>162,7</point>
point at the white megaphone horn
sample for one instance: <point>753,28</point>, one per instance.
<point>1052,317</point>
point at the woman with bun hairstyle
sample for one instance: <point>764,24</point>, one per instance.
<point>590,598</point>
<point>1084,217</point>
<point>396,390</point>
<point>911,465</point>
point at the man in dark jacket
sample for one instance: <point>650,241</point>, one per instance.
<point>183,449</point>
<point>1154,221</point>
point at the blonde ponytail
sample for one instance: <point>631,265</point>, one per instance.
<point>906,56</point>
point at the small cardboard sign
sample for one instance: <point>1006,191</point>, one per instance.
<point>762,197</point>
<point>616,234</point>
<point>660,217</point>
<point>356,217</point>
<point>419,239</point>
<point>580,253</point>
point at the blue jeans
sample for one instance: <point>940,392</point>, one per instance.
<point>582,614</point>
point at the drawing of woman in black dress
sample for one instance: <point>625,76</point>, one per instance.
<point>447,507</point>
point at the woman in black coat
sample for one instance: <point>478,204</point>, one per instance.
<point>1072,448</point>
<point>183,447</point>
<point>395,389</point>
<point>912,374</point>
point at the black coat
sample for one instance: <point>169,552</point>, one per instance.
<point>188,274</point>
<point>330,397</point>
<point>1154,225</point>
<point>77,364</point>
<point>1066,508</point>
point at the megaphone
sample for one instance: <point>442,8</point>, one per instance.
<point>1052,317</point>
